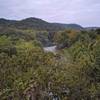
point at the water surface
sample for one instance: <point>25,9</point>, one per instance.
<point>50,49</point>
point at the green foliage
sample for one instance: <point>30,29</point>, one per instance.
<point>72,73</point>
<point>5,41</point>
<point>66,38</point>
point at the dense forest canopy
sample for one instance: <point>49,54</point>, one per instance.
<point>27,72</point>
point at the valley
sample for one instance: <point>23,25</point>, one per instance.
<point>40,60</point>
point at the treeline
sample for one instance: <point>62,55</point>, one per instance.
<point>29,73</point>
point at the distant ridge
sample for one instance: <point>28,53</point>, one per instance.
<point>37,24</point>
<point>92,28</point>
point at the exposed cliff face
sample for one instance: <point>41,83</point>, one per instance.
<point>46,38</point>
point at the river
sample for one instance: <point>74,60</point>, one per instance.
<point>50,49</point>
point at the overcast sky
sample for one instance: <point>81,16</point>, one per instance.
<point>83,12</point>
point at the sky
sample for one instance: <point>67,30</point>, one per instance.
<point>83,12</point>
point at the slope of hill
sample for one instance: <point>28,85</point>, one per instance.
<point>69,26</point>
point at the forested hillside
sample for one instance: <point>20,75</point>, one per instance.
<point>37,24</point>
<point>27,72</point>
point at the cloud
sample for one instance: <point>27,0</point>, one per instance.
<point>84,12</point>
